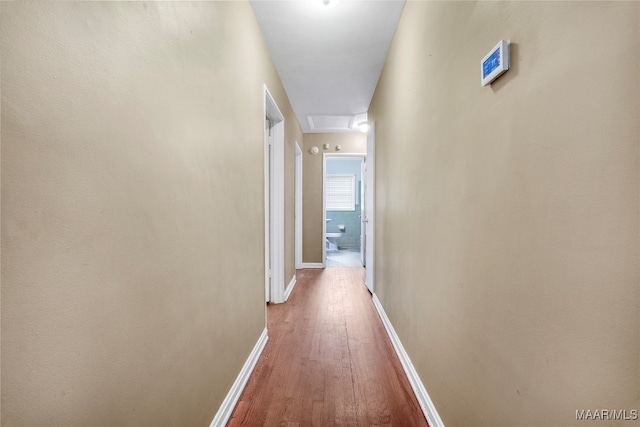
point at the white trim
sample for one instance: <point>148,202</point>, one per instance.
<point>229,402</point>
<point>363,216</point>
<point>313,265</point>
<point>298,207</point>
<point>424,400</point>
<point>290,286</point>
<point>274,208</point>
<point>267,202</point>
<point>324,209</point>
<point>277,239</point>
<point>369,214</point>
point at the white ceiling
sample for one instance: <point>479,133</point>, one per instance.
<point>328,58</point>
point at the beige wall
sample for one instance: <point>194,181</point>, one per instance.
<point>132,208</point>
<point>507,216</point>
<point>312,185</point>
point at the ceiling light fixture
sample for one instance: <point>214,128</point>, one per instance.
<point>330,3</point>
<point>363,126</point>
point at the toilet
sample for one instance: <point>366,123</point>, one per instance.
<point>332,241</point>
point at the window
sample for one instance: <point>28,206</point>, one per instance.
<point>341,193</point>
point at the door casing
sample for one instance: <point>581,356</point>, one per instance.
<point>273,199</point>
<point>298,207</point>
<point>368,218</point>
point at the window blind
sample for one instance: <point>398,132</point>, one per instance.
<point>341,192</point>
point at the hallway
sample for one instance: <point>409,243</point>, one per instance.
<point>145,215</point>
<point>328,361</point>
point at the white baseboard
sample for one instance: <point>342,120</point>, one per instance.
<point>313,265</point>
<point>229,403</point>
<point>424,400</point>
<point>290,287</point>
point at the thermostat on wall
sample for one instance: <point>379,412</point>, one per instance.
<point>495,63</point>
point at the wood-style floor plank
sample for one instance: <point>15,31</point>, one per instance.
<point>328,361</point>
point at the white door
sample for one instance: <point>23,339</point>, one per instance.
<point>363,212</point>
<point>369,218</point>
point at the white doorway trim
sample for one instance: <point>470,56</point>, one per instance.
<point>368,217</point>
<point>274,199</point>
<point>326,156</point>
<point>363,213</point>
<point>298,207</point>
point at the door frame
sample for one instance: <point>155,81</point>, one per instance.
<point>363,213</point>
<point>298,207</point>
<point>273,199</point>
<point>325,156</point>
<point>369,219</point>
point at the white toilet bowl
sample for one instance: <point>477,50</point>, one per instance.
<point>332,241</point>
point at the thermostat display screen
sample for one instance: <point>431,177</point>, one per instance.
<point>491,63</point>
<point>495,62</point>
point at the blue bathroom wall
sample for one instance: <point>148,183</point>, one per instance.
<point>351,220</point>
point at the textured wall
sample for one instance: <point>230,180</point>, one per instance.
<point>507,216</point>
<point>312,186</point>
<point>132,208</point>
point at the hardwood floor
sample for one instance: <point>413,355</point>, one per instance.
<point>328,361</point>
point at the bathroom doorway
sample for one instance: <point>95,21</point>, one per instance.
<point>343,202</point>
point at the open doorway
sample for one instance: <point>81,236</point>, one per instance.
<point>343,207</point>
